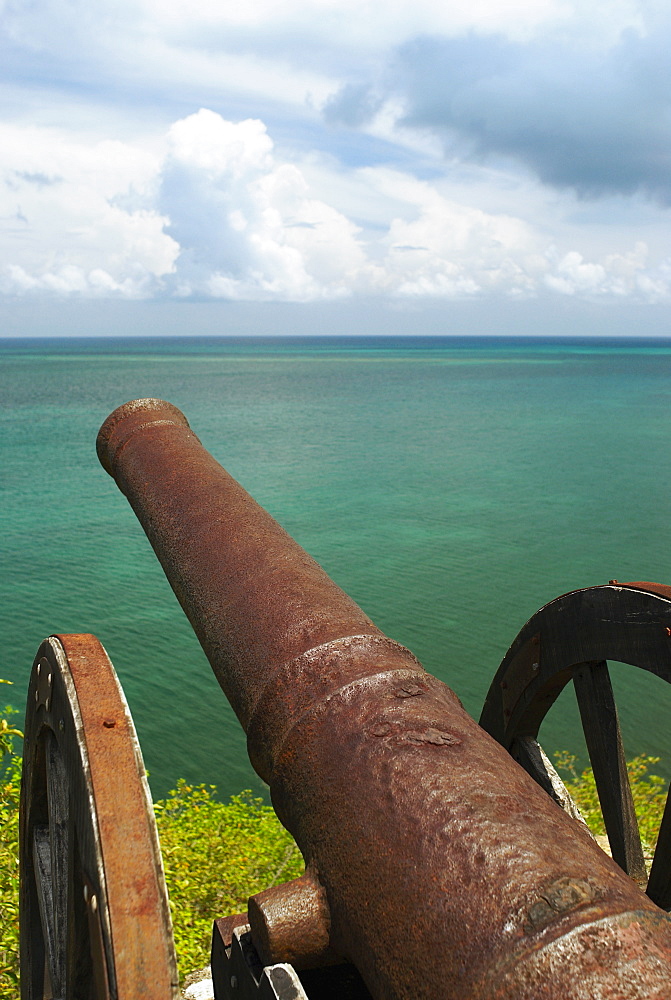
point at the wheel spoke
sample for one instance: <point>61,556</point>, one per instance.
<point>628,623</point>
<point>45,896</point>
<point>659,883</point>
<point>59,848</point>
<point>604,744</point>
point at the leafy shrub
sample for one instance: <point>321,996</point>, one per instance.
<point>648,791</point>
<point>10,781</point>
<point>216,855</point>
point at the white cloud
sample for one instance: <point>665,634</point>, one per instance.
<point>79,219</point>
<point>444,248</point>
<point>267,76</point>
<point>619,275</point>
<point>220,148</point>
<point>218,212</point>
<point>359,21</point>
<point>247,225</point>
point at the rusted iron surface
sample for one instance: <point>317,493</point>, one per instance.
<point>446,871</point>
<point>95,910</point>
<point>276,602</point>
<point>663,589</point>
<point>291,923</point>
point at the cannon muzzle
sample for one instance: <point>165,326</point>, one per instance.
<point>433,862</point>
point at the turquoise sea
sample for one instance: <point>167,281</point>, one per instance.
<point>451,486</point>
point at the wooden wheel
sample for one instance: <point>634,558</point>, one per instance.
<point>571,639</point>
<point>95,923</point>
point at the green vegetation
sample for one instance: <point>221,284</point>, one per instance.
<point>218,854</point>
<point>215,855</point>
<point>648,790</point>
<point>10,778</point>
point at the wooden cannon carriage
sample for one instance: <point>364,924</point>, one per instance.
<point>436,868</point>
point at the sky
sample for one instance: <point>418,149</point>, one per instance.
<point>335,166</point>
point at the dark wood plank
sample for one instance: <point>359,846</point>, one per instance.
<point>60,847</point>
<point>659,883</point>
<point>43,887</point>
<point>600,724</point>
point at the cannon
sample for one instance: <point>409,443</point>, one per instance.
<point>444,858</point>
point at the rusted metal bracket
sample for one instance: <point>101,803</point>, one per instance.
<point>239,973</point>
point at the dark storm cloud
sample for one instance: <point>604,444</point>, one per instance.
<point>353,105</point>
<point>596,121</point>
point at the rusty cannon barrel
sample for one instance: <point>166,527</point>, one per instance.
<point>433,862</point>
